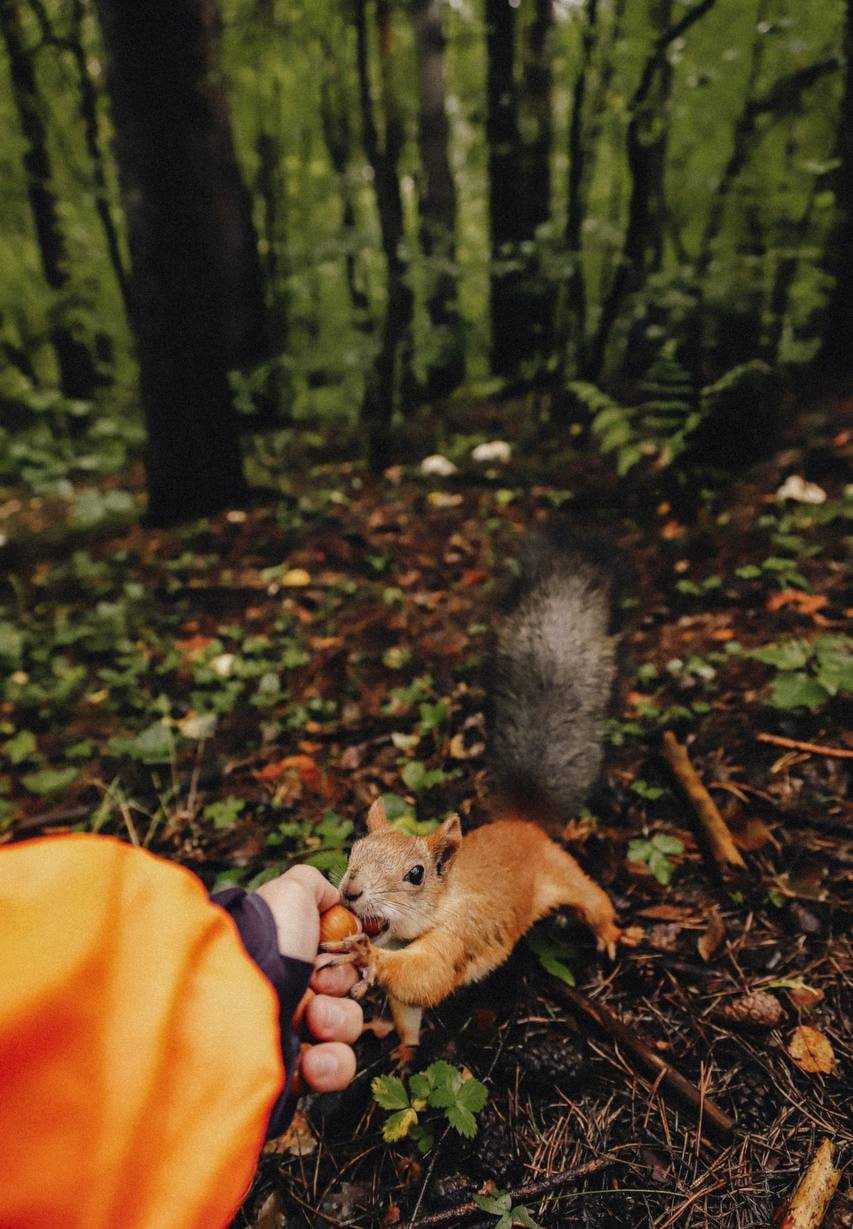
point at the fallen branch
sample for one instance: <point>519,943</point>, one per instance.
<point>713,825</point>
<point>813,1196</point>
<point>794,744</point>
<point>533,1190</point>
<point>711,1115</point>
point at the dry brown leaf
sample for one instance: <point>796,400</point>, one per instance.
<point>811,1050</point>
<point>667,913</point>
<point>807,603</point>
<point>298,1139</point>
<point>708,942</point>
<point>804,997</point>
<point>749,832</point>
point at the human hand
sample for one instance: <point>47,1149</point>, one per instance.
<point>297,899</point>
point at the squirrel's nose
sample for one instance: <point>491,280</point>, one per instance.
<point>348,894</point>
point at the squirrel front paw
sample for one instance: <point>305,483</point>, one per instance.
<point>356,950</point>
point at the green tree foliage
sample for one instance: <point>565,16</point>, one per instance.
<point>674,168</point>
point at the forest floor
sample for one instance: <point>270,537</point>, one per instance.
<point>234,693</point>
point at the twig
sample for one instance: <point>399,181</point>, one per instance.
<point>533,1190</point>
<point>814,1193</point>
<point>714,826</point>
<point>713,1118</point>
<point>838,753</point>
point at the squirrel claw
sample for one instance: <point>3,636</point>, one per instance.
<point>356,950</point>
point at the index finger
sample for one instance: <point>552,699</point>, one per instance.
<point>325,893</point>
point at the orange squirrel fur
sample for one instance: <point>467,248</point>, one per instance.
<point>460,903</point>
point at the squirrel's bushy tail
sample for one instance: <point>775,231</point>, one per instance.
<point>552,677</point>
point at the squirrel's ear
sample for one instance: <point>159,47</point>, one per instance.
<point>444,843</point>
<point>376,818</point>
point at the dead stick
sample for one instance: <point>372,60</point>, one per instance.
<point>713,824</point>
<point>713,1117</point>
<point>814,1194</point>
<point>533,1190</point>
<point>838,753</point>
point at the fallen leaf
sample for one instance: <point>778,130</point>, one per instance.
<point>298,1139</point>
<point>806,603</point>
<point>811,1050</point>
<point>708,942</point>
<point>666,913</point>
<point>271,1213</point>
<point>305,768</point>
<point>295,578</point>
<point>749,832</point>
<point>804,996</point>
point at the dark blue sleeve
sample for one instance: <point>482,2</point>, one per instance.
<point>289,977</point>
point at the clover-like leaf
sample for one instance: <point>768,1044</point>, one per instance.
<point>389,1092</point>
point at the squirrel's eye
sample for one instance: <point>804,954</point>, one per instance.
<point>415,875</point>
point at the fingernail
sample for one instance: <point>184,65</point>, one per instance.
<point>323,1064</point>
<point>333,1014</point>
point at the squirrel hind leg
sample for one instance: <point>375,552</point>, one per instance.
<point>407,1021</point>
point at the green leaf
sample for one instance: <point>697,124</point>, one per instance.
<point>462,1120</point>
<point>389,1092</point>
<point>521,1216</point>
<point>397,1125</point>
<point>792,655</point>
<point>660,866</point>
<point>797,690</point>
<point>49,780</point>
<point>224,813</point>
<point>154,745</point>
<point>21,747</point>
<point>495,1204</point>
<point>473,1095</point>
<point>552,954</point>
<point>667,844</point>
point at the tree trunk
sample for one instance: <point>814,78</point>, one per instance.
<point>377,408</point>
<point>536,309</point>
<point>77,374</point>
<point>578,183</point>
<point>645,134</point>
<point>337,132</point>
<point>437,200</point>
<point>184,227</point>
<point>507,348</point>
<point>837,350</point>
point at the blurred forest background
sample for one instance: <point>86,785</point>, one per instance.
<point>336,214</point>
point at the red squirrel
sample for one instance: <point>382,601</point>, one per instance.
<point>444,910</point>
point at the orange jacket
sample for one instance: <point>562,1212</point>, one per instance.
<point>139,1044</point>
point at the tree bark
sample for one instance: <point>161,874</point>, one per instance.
<point>507,350</point>
<point>837,350</point>
<point>77,373</point>
<point>437,200</point>
<point>181,197</point>
<point>643,142</point>
<point>377,408</point>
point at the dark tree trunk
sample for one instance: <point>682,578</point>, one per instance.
<point>337,132</point>
<point>837,348</point>
<point>395,347</point>
<point>437,200</point>
<point>507,346</point>
<point>536,309</point>
<point>578,181</point>
<point>77,373</point>
<point>645,170</point>
<point>184,226</point>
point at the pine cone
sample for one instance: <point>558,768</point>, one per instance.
<point>754,1100</point>
<point>758,1009</point>
<point>494,1152</point>
<point>552,1062</point>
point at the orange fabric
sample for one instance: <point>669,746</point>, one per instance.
<point>139,1048</point>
